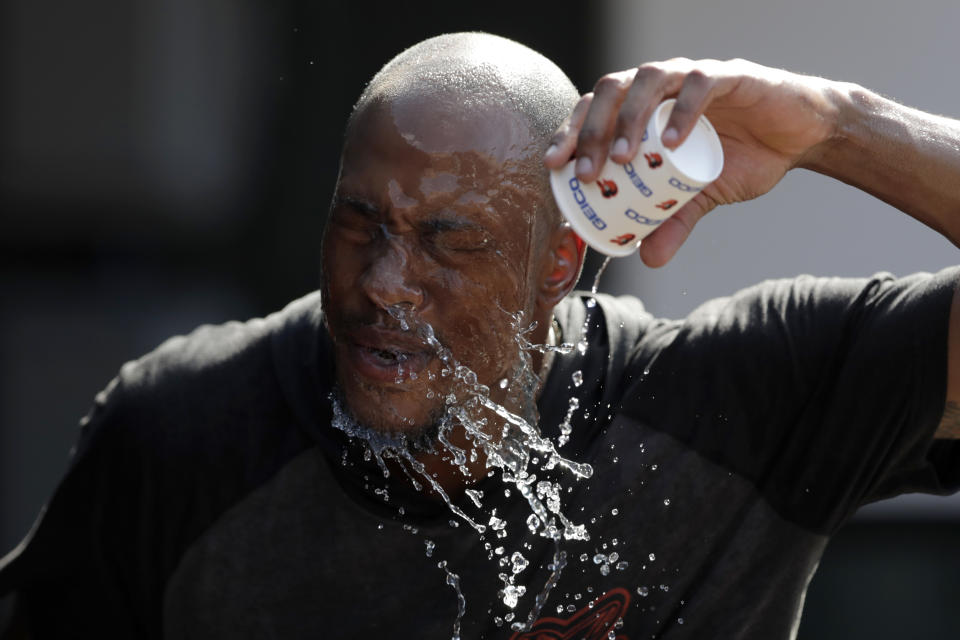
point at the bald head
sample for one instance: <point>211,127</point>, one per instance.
<point>482,70</point>
<point>465,74</point>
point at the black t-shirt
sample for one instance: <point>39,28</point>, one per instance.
<point>210,497</point>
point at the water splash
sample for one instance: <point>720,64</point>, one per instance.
<point>509,438</point>
<point>555,568</point>
<point>385,446</point>
<point>596,278</point>
<point>591,302</point>
<point>566,428</point>
<point>454,581</point>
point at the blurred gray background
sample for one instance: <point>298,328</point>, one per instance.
<point>167,164</point>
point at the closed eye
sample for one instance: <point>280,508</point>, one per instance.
<point>357,219</point>
<point>457,235</point>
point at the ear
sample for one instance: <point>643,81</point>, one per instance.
<point>562,267</point>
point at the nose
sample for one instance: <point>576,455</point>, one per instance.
<point>390,279</point>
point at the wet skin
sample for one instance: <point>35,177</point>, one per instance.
<point>433,211</point>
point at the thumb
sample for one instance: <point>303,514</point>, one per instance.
<point>658,248</point>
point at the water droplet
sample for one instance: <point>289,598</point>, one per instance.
<point>519,562</point>
<point>577,378</point>
<point>652,557</point>
<point>474,495</point>
<point>599,558</point>
<point>643,592</point>
<point>511,594</point>
<point>666,502</point>
<point>605,569</point>
<point>503,383</point>
<point>679,620</point>
<point>623,564</point>
<point>430,545</point>
<point>614,512</point>
<point>533,522</point>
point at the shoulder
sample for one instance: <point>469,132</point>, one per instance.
<point>216,377</point>
<point>618,318</point>
<point>176,439</point>
<point>810,305</point>
<point>212,352</point>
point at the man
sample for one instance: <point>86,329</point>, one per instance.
<point>372,463</point>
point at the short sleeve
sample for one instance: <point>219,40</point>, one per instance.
<point>825,393</point>
<point>174,441</point>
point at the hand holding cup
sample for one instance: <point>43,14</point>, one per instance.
<point>768,122</point>
<point>628,201</point>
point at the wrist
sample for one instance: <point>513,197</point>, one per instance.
<point>842,106</point>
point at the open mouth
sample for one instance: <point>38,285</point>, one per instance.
<point>386,359</point>
<point>389,356</point>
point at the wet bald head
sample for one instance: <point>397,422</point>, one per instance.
<point>466,74</point>
<point>483,70</point>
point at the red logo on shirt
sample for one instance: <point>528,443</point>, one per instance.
<point>586,624</point>
<point>607,187</point>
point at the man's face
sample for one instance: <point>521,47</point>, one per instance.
<point>433,213</point>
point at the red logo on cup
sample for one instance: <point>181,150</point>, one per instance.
<point>666,204</point>
<point>626,238</point>
<point>653,159</point>
<point>607,187</point>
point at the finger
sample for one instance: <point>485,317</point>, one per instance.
<point>691,102</point>
<point>651,84</point>
<point>593,143</point>
<point>564,141</point>
<point>702,85</point>
<point>658,248</point>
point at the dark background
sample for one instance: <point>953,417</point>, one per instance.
<point>167,164</point>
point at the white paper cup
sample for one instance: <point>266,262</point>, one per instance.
<point>627,202</point>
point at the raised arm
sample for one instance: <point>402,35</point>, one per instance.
<point>771,121</point>
<point>910,160</point>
